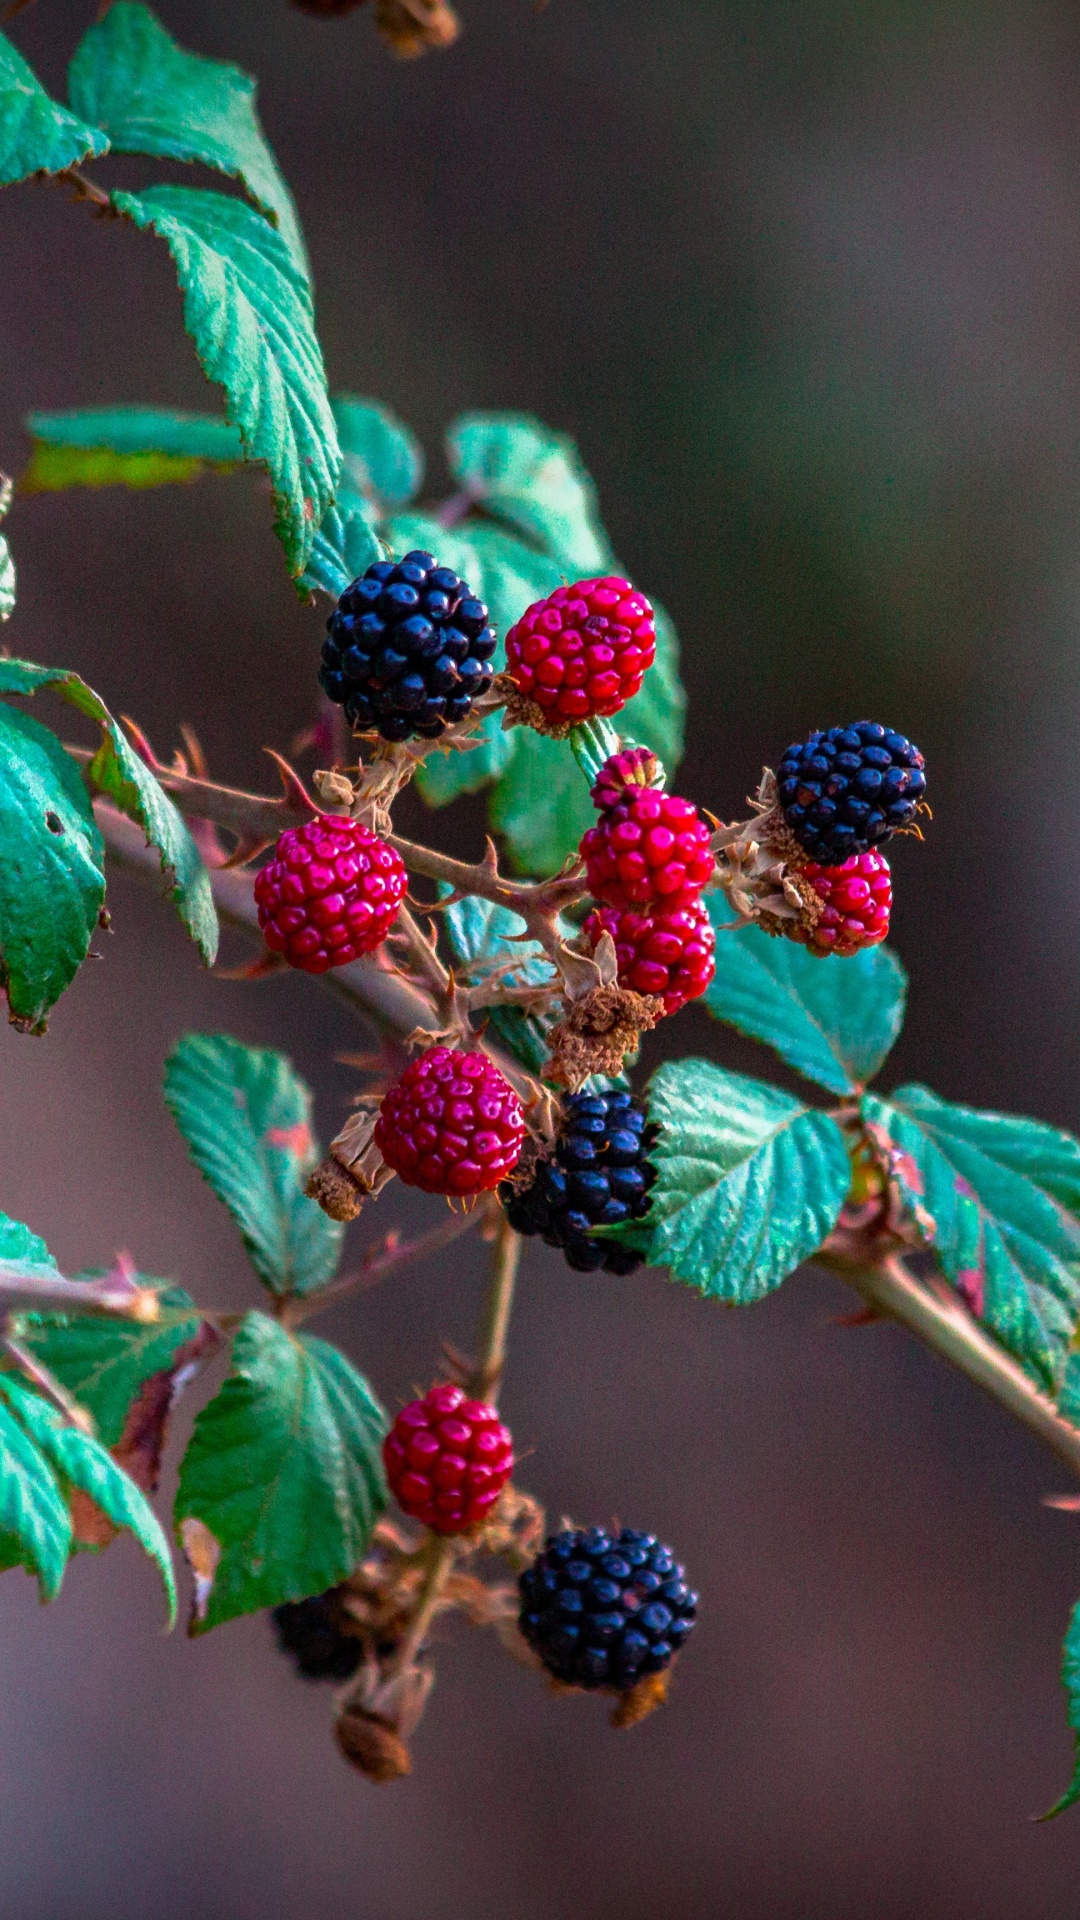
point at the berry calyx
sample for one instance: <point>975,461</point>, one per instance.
<point>605,1609</point>
<point>582,652</point>
<point>451,1124</point>
<point>856,902</point>
<point>850,788</point>
<point>408,649</point>
<point>600,1175</point>
<point>667,951</point>
<point>330,893</point>
<point>647,845</point>
<point>447,1460</point>
<point>309,1631</point>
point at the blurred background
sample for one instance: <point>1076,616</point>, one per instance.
<point>803,280</point>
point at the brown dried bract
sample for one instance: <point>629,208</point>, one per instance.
<point>372,1745</point>
<point>412,27</point>
<point>650,1693</point>
<point>354,1169</point>
<point>337,1193</point>
<point>758,865</point>
<point>597,1032</point>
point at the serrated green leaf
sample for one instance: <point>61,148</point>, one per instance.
<point>149,96</point>
<point>84,1463</point>
<point>21,1248</point>
<point>749,1182</point>
<point>246,1116</point>
<point>832,1020</point>
<point>52,880</point>
<point>117,771</point>
<point>346,545</point>
<point>284,1469</point>
<point>126,446</point>
<point>1004,1193</point>
<point>103,1362</point>
<point>35,1525</point>
<point>1070,1680</point>
<point>247,307</point>
<point>479,930</point>
<point>381,458</point>
<point>534,478</point>
<point>37,135</point>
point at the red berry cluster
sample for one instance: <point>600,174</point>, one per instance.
<point>330,893</point>
<point>447,1460</point>
<point>583,651</point>
<point>856,902</point>
<point>451,1124</point>
<point>669,952</point>
<point>648,846</point>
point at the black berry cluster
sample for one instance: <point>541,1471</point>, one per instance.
<point>600,1175</point>
<point>603,1609</point>
<point>408,649</point>
<point>846,790</point>
<point>308,1631</point>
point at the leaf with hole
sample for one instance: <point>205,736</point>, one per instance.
<point>832,1020</point>
<point>246,1116</point>
<point>282,1481</point>
<point>247,307</point>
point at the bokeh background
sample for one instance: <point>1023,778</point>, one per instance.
<point>803,279</point>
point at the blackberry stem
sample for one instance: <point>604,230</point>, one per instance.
<point>495,1315</point>
<point>944,1324</point>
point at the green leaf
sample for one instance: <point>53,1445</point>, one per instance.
<point>52,881</point>
<point>345,546</point>
<point>118,772</point>
<point>1003,1193</point>
<point>1070,1680</point>
<point>35,1525</point>
<point>541,806</point>
<point>749,1183</point>
<point>84,1463</point>
<point>246,1116</point>
<point>126,446</point>
<point>103,1362</point>
<point>284,1470</point>
<point>36,134</point>
<point>381,458</point>
<point>832,1020</point>
<point>21,1248</point>
<point>533,478</point>
<point>247,306</point>
<point>479,930</point>
<point>130,78</point>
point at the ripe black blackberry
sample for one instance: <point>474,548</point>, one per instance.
<point>308,1631</point>
<point>600,1175</point>
<point>848,789</point>
<point>408,649</point>
<point>603,1609</point>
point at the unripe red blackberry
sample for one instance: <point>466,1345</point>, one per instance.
<point>857,901</point>
<point>647,846</point>
<point>667,951</point>
<point>447,1460</point>
<point>605,1609</point>
<point>330,893</point>
<point>451,1124</point>
<point>583,651</point>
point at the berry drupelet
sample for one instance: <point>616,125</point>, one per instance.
<point>330,893</point>
<point>605,1609</point>
<point>647,846</point>
<point>308,1631</point>
<point>848,789</point>
<point>582,652</point>
<point>600,1175</point>
<point>856,902</point>
<point>447,1460</point>
<point>667,951</point>
<point>408,649</point>
<point>451,1124</point>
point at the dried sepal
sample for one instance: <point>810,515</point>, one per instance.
<point>354,1170</point>
<point>636,1705</point>
<point>758,866</point>
<point>597,1032</point>
<point>377,1716</point>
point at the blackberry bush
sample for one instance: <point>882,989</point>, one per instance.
<point>508,996</point>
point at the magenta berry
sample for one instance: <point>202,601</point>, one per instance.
<point>584,650</point>
<point>857,900</point>
<point>451,1124</point>
<point>648,846</point>
<point>447,1460</point>
<point>666,951</point>
<point>330,893</point>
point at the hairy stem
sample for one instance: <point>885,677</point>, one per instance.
<point>382,1259</point>
<point>891,1290</point>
